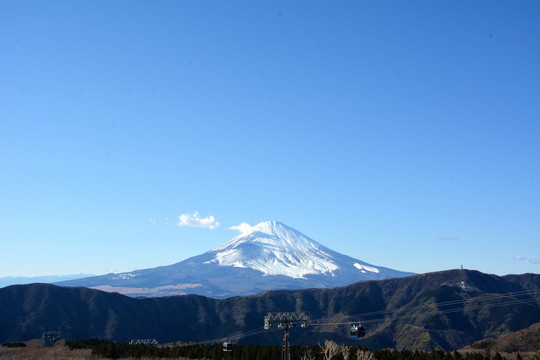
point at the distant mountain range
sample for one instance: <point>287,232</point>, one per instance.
<point>271,255</point>
<point>446,310</point>
<point>13,280</point>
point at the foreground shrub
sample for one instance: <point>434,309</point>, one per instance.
<point>14,344</point>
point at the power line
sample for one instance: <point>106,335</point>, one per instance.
<point>446,303</point>
<point>385,315</point>
<point>390,314</point>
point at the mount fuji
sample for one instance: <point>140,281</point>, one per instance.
<point>268,256</point>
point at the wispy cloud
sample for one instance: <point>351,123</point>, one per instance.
<point>152,221</point>
<point>243,227</point>
<point>194,220</point>
<point>534,261</point>
<point>519,258</point>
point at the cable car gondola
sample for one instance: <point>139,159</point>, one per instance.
<point>357,330</point>
<point>227,345</point>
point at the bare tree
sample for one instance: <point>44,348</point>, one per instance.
<point>329,349</point>
<point>364,355</point>
<point>308,355</point>
<point>345,350</point>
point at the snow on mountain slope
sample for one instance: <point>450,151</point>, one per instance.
<point>275,249</point>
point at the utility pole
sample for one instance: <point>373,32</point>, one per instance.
<point>285,320</point>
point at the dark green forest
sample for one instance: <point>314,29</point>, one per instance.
<point>118,350</point>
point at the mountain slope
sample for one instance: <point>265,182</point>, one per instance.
<point>522,340</point>
<point>269,256</point>
<point>447,310</point>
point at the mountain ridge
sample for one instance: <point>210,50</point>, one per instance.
<point>446,310</point>
<point>21,280</point>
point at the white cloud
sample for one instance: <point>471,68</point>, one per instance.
<point>519,258</point>
<point>152,221</point>
<point>194,220</point>
<point>534,261</point>
<point>114,271</point>
<point>243,228</point>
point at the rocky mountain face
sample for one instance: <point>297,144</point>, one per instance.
<point>269,256</point>
<point>446,310</point>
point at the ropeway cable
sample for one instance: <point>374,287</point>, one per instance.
<point>448,303</point>
<point>387,314</point>
<point>430,312</point>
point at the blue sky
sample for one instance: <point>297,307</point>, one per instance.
<point>402,133</point>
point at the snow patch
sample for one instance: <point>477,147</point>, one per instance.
<point>363,268</point>
<point>124,276</point>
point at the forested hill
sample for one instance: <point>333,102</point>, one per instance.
<point>519,341</point>
<point>447,310</point>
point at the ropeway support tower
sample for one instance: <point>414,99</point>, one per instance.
<point>285,320</point>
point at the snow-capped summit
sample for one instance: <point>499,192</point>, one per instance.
<point>267,256</point>
<point>274,248</point>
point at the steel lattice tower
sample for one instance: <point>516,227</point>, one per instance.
<point>285,321</point>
